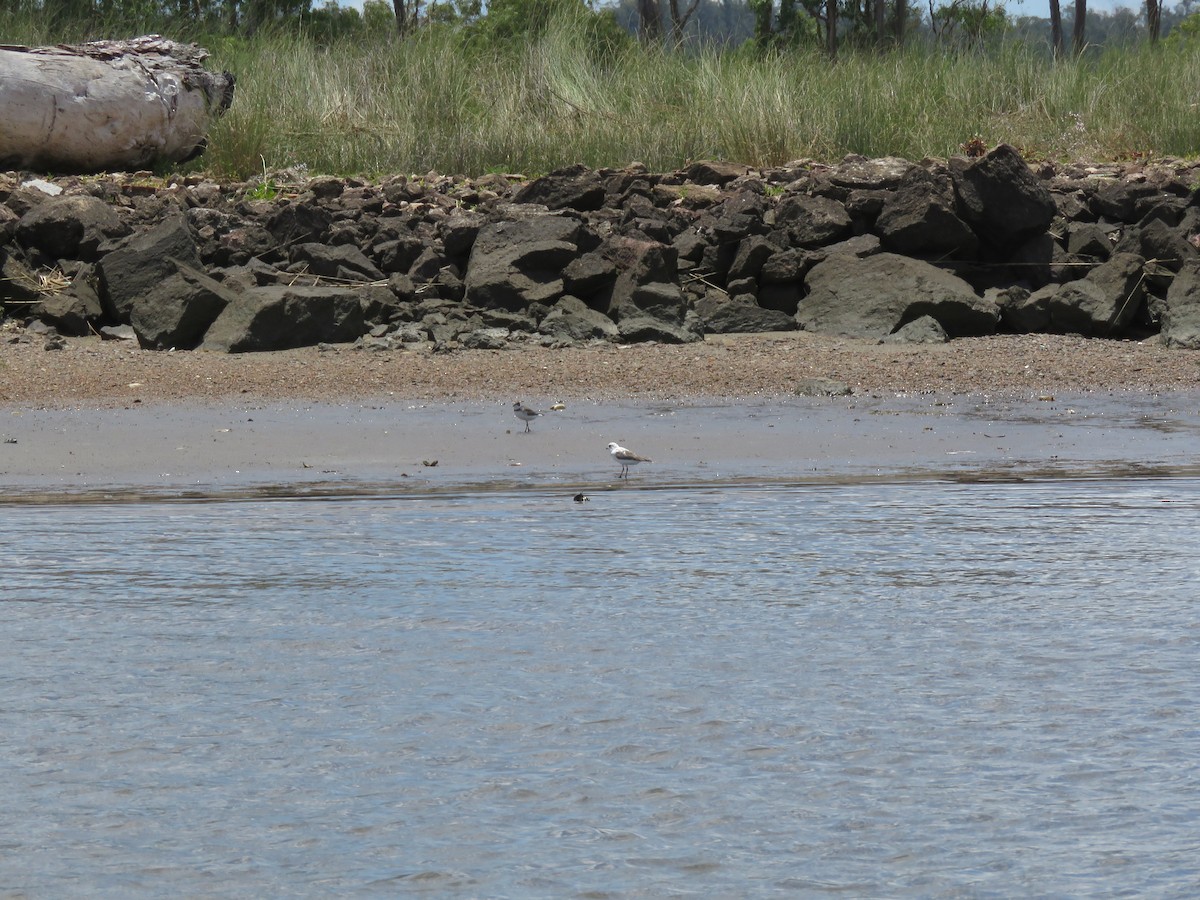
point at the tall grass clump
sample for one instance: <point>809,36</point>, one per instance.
<point>460,99</point>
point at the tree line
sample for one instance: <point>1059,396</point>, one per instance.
<point>767,24</point>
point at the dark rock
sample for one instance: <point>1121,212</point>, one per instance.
<point>485,339</point>
<point>1089,239</point>
<point>281,318</point>
<point>73,311</point>
<point>740,315</point>
<point>516,263</point>
<point>812,221</point>
<point>70,227</point>
<point>18,283</point>
<point>299,223</point>
<point>142,262</point>
<point>341,261</point>
<point>589,274</point>
<point>1158,241</point>
<point>638,328</point>
<point>752,253</point>
<point>1027,312</point>
<point>1181,315</point>
<point>1104,302</point>
<point>919,218</point>
<point>572,319</point>
<point>925,330</point>
<point>1001,198</point>
<point>873,297</point>
<point>1118,200</point>
<point>786,266</point>
<point>714,172</point>
<point>177,311</point>
<point>575,187</point>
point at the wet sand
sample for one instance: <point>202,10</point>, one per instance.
<point>100,420</point>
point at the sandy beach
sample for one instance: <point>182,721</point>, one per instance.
<point>101,418</point>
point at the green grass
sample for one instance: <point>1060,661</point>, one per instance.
<point>435,102</point>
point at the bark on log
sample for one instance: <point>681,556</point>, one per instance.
<point>107,104</point>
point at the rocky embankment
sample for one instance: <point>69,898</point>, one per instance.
<point>874,248</point>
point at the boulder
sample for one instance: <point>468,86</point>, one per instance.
<point>281,318</point>
<point>573,320</point>
<point>70,227</point>
<point>341,261</point>
<point>1105,301</point>
<point>1181,314</point>
<point>177,311</point>
<point>575,187</point>
<point>919,218</point>
<point>142,262</point>
<point>925,330</point>
<point>812,221</point>
<point>740,315</point>
<point>1001,198</point>
<point>73,311</point>
<point>516,263</point>
<point>873,297</point>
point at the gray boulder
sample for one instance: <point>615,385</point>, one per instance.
<point>1181,315</point>
<point>740,315</point>
<point>575,187</point>
<point>1105,301</point>
<point>281,318</point>
<point>142,262</point>
<point>341,261</point>
<point>73,311</point>
<point>1001,198</point>
<point>573,320</point>
<point>179,310</point>
<point>925,330</point>
<point>873,297</point>
<point>70,227</point>
<point>516,263</point>
<point>812,221</point>
<point>919,218</point>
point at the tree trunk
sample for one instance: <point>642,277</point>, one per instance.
<point>107,105</point>
<point>831,17</point>
<point>878,20</point>
<point>1078,39</point>
<point>1056,31</point>
<point>679,20</point>
<point>1153,19</point>
<point>901,22</point>
<point>649,22</point>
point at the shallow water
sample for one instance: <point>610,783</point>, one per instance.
<point>891,689</point>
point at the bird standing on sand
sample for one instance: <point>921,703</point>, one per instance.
<point>525,414</point>
<point>626,458</point>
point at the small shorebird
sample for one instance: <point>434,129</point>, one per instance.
<point>525,414</point>
<point>626,458</point>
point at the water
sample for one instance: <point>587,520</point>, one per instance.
<point>859,690</point>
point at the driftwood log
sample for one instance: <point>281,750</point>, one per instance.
<point>107,105</point>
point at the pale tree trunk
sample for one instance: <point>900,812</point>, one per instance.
<point>107,105</point>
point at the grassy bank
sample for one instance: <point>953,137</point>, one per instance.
<point>435,102</point>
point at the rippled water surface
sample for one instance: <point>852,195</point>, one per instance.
<point>857,690</point>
